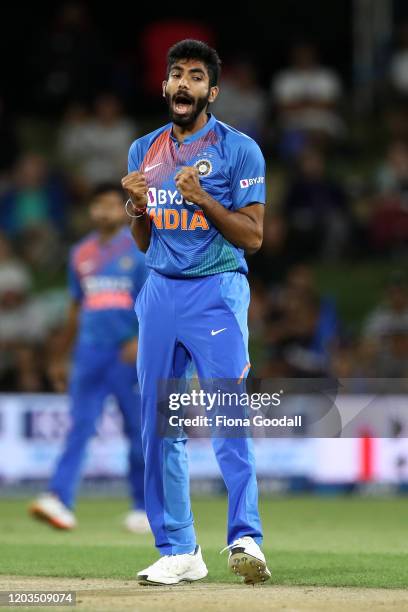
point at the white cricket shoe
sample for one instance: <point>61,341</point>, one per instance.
<point>172,569</point>
<point>50,509</point>
<point>246,559</point>
<point>136,521</point>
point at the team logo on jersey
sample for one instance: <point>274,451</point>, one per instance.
<point>173,218</point>
<point>245,183</point>
<point>203,166</point>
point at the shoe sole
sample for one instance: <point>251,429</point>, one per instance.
<point>38,513</point>
<point>145,582</point>
<point>252,570</point>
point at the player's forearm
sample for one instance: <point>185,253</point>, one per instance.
<point>63,345</point>
<point>141,231</point>
<point>237,228</point>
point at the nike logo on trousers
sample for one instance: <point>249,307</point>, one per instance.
<point>218,331</point>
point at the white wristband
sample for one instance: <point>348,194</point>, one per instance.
<point>128,213</point>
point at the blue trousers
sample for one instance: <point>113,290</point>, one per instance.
<point>177,321</point>
<point>97,373</point>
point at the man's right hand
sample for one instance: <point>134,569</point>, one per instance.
<point>136,186</point>
<point>58,375</point>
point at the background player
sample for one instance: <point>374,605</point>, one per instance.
<point>198,190</point>
<point>106,271</point>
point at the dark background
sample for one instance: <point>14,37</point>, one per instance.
<point>265,34</point>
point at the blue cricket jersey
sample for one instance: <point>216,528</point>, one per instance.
<point>184,243</point>
<point>106,278</point>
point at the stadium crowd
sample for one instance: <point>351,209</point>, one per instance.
<point>337,185</point>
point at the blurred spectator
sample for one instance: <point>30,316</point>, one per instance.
<point>316,209</point>
<point>344,360</point>
<point>385,332</point>
<point>23,325</point>
<point>392,313</point>
<point>392,360</point>
<point>257,313</point>
<point>396,121</point>
<point>33,209</point>
<point>399,63</point>
<point>241,102</point>
<point>348,361</point>
<point>306,97</point>
<point>14,274</point>
<point>126,82</point>
<point>270,264</point>
<point>95,147</point>
<point>75,120</point>
<point>69,60</point>
<point>301,328</point>
<point>393,174</point>
<point>36,197</point>
<point>389,220</point>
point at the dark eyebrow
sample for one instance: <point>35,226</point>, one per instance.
<point>192,70</point>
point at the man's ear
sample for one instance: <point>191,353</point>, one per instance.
<point>164,85</point>
<point>213,94</point>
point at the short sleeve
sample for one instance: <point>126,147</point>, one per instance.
<point>134,157</point>
<point>74,284</point>
<point>248,175</point>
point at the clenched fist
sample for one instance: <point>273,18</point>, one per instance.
<point>136,186</point>
<point>188,184</point>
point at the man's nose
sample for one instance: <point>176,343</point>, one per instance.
<point>183,83</point>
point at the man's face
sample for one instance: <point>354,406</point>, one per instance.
<point>187,91</point>
<point>107,211</point>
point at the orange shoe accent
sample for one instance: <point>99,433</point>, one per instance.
<point>39,514</point>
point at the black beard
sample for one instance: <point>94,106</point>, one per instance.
<point>198,106</point>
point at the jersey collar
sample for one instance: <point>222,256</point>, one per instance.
<point>204,130</point>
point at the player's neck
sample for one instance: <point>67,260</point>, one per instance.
<point>183,132</point>
<point>106,235</point>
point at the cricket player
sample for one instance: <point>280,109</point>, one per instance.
<point>106,272</point>
<point>197,195</point>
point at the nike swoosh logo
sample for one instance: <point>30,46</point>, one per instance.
<point>148,168</point>
<point>218,331</point>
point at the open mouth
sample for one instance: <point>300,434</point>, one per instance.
<point>182,103</point>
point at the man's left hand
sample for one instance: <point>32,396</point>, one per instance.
<point>128,351</point>
<point>188,184</point>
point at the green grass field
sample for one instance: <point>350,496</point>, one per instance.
<point>360,542</point>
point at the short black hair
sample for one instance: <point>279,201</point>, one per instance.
<point>198,50</point>
<point>106,187</point>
